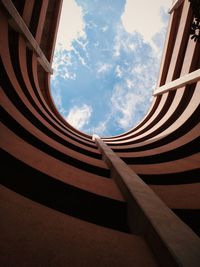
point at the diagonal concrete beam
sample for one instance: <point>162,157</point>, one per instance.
<point>175,5</point>
<point>172,241</point>
<point>178,83</point>
<point>18,24</point>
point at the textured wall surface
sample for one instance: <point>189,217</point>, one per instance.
<point>59,204</point>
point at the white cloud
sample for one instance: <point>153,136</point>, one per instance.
<point>79,57</point>
<point>117,47</point>
<point>125,102</point>
<point>104,29</point>
<point>124,41</point>
<point>132,46</point>
<point>57,98</point>
<point>79,116</point>
<point>104,67</point>
<point>71,26</point>
<point>129,83</point>
<point>118,71</point>
<point>100,128</point>
<point>61,63</point>
<point>144,18</point>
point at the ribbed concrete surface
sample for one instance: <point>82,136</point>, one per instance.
<point>40,152</point>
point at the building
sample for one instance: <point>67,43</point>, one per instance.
<point>69,199</point>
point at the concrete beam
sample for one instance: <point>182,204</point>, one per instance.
<point>175,5</point>
<point>178,83</point>
<point>21,27</point>
<point>172,241</point>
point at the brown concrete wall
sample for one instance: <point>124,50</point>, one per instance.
<point>53,176</point>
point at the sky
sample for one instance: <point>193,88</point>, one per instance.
<point>106,62</point>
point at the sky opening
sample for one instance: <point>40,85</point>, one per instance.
<point>106,62</point>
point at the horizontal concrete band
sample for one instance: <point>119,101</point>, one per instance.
<point>23,29</point>
<point>173,242</point>
<point>178,83</point>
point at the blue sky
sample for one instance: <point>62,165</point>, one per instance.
<point>106,62</point>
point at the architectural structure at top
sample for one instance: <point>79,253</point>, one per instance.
<point>68,199</point>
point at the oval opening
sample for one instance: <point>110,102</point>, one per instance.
<point>106,62</point>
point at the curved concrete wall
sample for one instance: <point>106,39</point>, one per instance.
<point>56,189</point>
